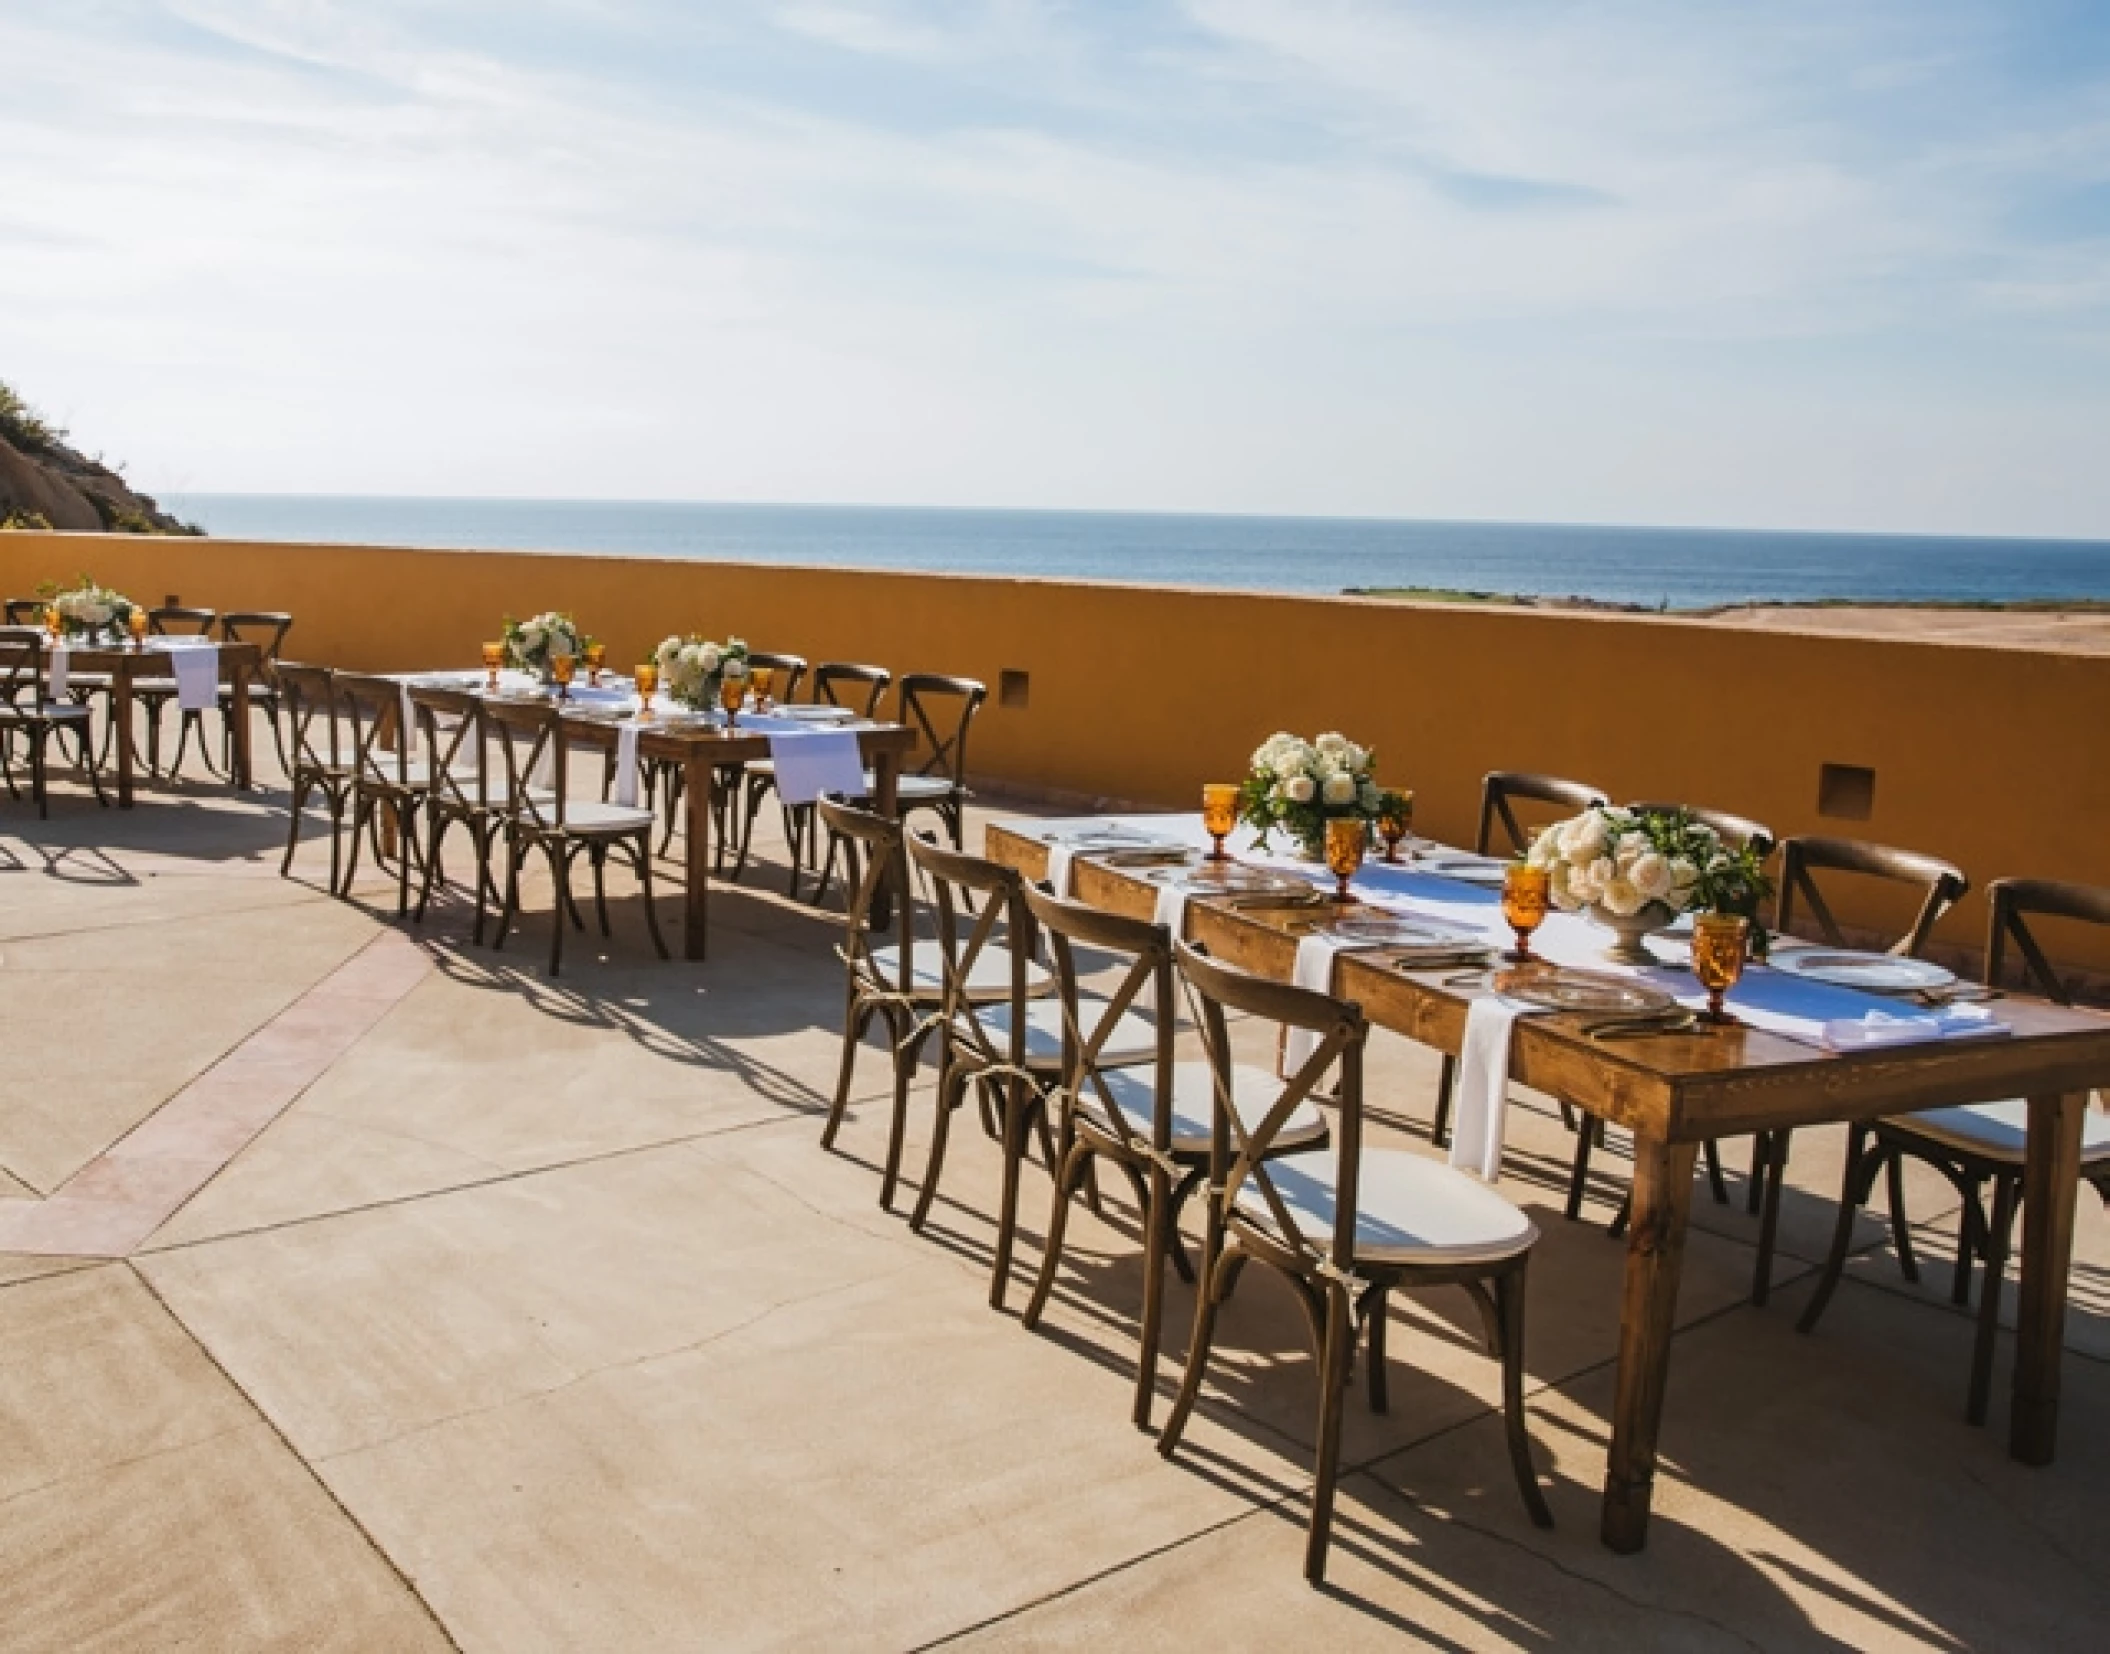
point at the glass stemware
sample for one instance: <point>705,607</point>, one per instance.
<point>1524,894</point>
<point>731,692</point>
<point>762,677</point>
<point>1219,814</point>
<point>136,624</point>
<point>494,658</point>
<point>647,680</point>
<point>596,656</point>
<point>1720,944</point>
<point>1395,815</point>
<point>53,624</point>
<point>561,668</point>
<point>1347,838</point>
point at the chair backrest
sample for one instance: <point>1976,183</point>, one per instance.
<point>26,611</point>
<point>266,628</point>
<point>941,711</point>
<point>2014,903</point>
<point>1239,1150</point>
<point>374,709</point>
<point>1502,789</point>
<point>843,683</point>
<point>1736,831</point>
<point>175,620</point>
<point>453,738</point>
<point>22,668</point>
<point>980,904</point>
<point>790,672</point>
<point>314,716</point>
<point>1942,884</point>
<point>530,734</point>
<point>872,856</point>
<point>1148,977</point>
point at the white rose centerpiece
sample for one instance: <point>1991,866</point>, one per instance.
<point>1634,871</point>
<point>89,612</point>
<point>1298,785</point>
<point>532,644</point>
<point>694,669</point>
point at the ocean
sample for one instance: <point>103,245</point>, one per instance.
<point>1659,567</point>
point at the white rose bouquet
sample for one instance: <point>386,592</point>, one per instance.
<point>1298,785</point>
<point>532,644</point>
<point>87,610</point>
<point>1637,870</point>
<point>692,669</point>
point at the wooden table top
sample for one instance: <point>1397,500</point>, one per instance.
<point>1678,1087</point>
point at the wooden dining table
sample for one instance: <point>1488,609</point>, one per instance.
<point>1675,1092</point>
<point>126,664</point>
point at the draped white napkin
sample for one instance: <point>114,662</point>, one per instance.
<point>811,762</point>
<point>1171,908</point>
<point>626,734</point>
<point>1316,953</point>
<point>1480,1098</point>
<point>197,677</point>
<point>60,670</point>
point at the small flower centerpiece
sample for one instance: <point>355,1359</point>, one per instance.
<point>532,644</point>
<point>1634,871</point>
<point>89,613</point>
<point>1300,785</point>
<point>693,669</point>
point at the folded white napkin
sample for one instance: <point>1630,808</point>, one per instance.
<point>1881,1028</point>
<point>1171,908</point>
<point>197,677</point>
<point>1062,855</point>
<point>811,762</point>
<point>626,734</point>
<point>61,670</point>
<point>1480,1097</point>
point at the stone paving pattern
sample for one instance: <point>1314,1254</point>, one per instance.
<point>361,1289</point>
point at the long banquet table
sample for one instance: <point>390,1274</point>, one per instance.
<point>1675,1092</point>
<point>699,749</point>
<point>239,663</point>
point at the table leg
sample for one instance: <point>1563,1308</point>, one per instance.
<point>886,801</point>
<point>121,710</point>
<point>240,714</point>
<point>2050,1181</point>
<point>699,775</point>
<point>1655,1255</point>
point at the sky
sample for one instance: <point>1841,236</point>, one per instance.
<point>1799,265</point>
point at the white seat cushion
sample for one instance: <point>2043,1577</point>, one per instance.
<point>1133,1040</point>
<point>586,816</point>
<point>1253,1093</point>
<point>909,787</point>
<point>1998,1131</point>
<point>1409,1209</point>
<point>988,979</point>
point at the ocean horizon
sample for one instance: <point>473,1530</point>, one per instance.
<point>1676,568</point>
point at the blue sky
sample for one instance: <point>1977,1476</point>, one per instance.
<point>1793,265</point>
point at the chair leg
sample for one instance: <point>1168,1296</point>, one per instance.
<point>301,788</point>
<point>1970,1221</point>
<point>1861,1168</point>
<point>1377,1311</point>
<point>856,1019</point>
<point>1018,1106</point>
<point>641,857</point>
<point>1769,1220</point>
<point>435,830</point>
<point>1157,1219</point>
<point>1067,1177</point>
<point>598,855</point>
<point>362,810</point>
<point>516,850</point>
<point>1446,1079</point>
<point>1509,1300</point>
<point>2005,1189</point>
<point>1713,1153</point>
<point>560,875</point>
<point>1218,1273</point>
<point>905,1060</point>
<point>951,1094</point>
<point>1336,1348</point>
<point>1755,1186</point>
<point>1579,1173</point>
<point>1900,1222</point>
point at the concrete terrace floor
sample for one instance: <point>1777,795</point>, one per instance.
<point>434,1304</point>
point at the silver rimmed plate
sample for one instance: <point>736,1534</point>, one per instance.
<point>1563,988</point>
<point>1463,866</point>
<point>1229,879</point>
<point>1881,973</point>
<point>822,714</point>
<point>1402,930</point>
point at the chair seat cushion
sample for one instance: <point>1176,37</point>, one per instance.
<point>1134,1039</point>
<point>1409,1209</point>
<point>911,789</point>
<point>1253,1093</point>
<point>1997,1131</point>
<point>988,980</point>
<point>592,819</point>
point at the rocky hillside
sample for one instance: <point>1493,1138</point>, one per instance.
<point>46,484</point>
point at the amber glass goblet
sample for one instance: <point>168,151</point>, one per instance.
<point>1720,944</point>
<point>762,677</point>
<point>1219,814</point>
<point>596,657</point>
<point>561,668</point>
<point>1347,838</point>
<point>731,692</point>
<point>1524,893</point>
<point>1395,816</point>
<point>53,624</point>
<point>136,624</point>
<point>647,680</point>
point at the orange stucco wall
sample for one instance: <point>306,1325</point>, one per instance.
<point>1997,758</point>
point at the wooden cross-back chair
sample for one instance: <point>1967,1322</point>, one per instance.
<point>153,695</point>
<point>1345,1225</point>
<point>1738,832</point>
<point>1151,1121</point>
<point>389,780</point>
<point>1941,884</point>
<point>1502,790</point>
<point>323,755</point>
<point>856,688</point>
<point>941,711</point>
<point>26,611</point>
<point>1976,1147</point>
<point>454,740</point>
<point>540,815</point>
<point>267,629</point>
<point>27,712</point>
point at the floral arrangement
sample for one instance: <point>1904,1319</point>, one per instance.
<point>532,644</point>
<point>1298,785</point>
<point>1626,862</point>
<point>87,610</point>
<point>692,668</point>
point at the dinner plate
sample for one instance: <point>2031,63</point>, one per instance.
<point>1467,869</point>
<point>1883,973</point>
<point>815,714</point>
<point>1402,930</point>
<point>1563,988</point>
<point>1220,879</point>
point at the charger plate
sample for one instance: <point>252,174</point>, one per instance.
<point>1882,973</point>
<point>1403,930</point>
<point>1564,988</point>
